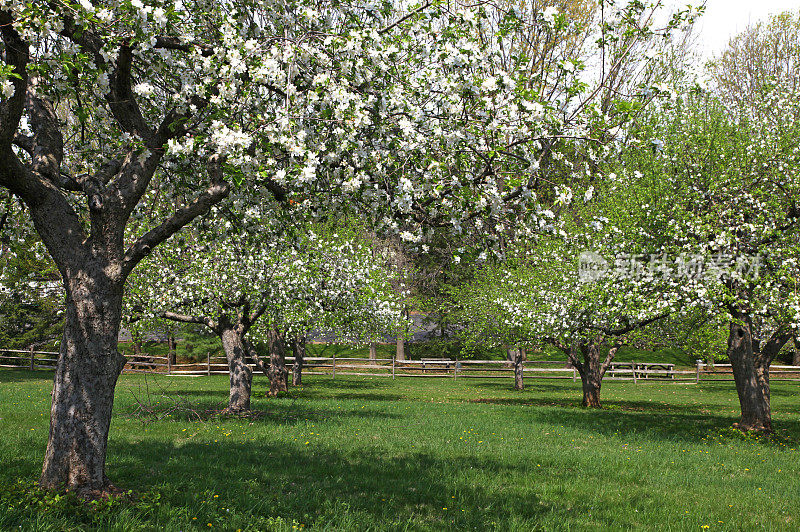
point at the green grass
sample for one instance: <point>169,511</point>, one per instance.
<point>416,454</point>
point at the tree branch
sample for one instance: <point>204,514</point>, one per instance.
<point>16,55</point>
<point>630,327</point>
<point>573,359</point>
<point>215,193</point>
<point>612,352</point>
<point>47,143</point>
<point>775,343</point>
<point>257,313</point>
<point>186,318</point>
<point>251,352</point>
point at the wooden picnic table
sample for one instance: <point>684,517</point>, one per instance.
<point>643,369</point>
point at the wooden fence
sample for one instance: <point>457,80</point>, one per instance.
<point>428,368</point>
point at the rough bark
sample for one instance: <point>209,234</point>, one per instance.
<point>592,370</point>
<point>750,362</point>
<point>241,376</point>
<point>299,347</point>
<point>401,348</point>
<point>83,388</point>
<point>518,367</point>
<point>756,414</point>
<point>278,375</point>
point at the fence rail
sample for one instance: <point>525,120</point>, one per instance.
<point>426,368</point>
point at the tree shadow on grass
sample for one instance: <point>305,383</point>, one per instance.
<point>650,424</point>
<point>326,487</point>
<point>507,385</point>
<point>328,383</point>
<point>607,404</point>
<point>271,413</point>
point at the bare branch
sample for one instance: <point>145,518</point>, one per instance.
<point>251,352</point>
<point>612,352</point>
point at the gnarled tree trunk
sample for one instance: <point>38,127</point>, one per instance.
<point>88,245</point>
<point>83,388</point>
<point>750,362</point>
<point>755,406</point>
<point>299,348</point>
<point>278,375</point>
<point>241,376</point>
<point>592,370</point>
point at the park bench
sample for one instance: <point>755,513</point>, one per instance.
<point>669,370</point>
<point>442,363</point>
<point>643,369</point>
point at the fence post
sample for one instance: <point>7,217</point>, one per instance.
<point>455,368</point>
<point>633,366</point>
<point>32,357</point>
<point>697,374</point>
<point>334,366</point>
<point>169,364</point>
<point>208,363</point>
<point>574,373</point>
<point>393,357</point>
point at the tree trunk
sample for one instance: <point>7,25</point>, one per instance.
<point>299,356</point>
<point>83,388</point>
<point>401,348</point>
<point>278,378</point>
<point>173,349</point>
<point>241,376</point>
<point>591,377</point>
<point>591,390</point>
<point>592,370</point>
<point>373,351</point>
<point>755,407</point>
<point>518,367</point>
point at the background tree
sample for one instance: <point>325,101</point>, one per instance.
<point>257,281</point>
<point>732,179</point>
<point>765,54</point>
<point>31,297</point>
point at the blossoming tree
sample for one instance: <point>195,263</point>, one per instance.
<point>109,106</point>
<point>257,281</point>
<point>734,184</point>
<point>592,282</point>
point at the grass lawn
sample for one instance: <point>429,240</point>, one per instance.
<point>415,454</point>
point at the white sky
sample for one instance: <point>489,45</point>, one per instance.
<point>725,18</point>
